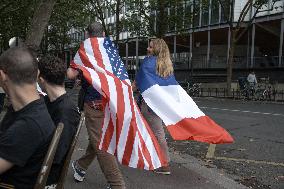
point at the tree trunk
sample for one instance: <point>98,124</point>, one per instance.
<point>39,23</point>
<point>230,62</point>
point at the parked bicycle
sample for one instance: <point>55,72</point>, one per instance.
<point>193,89</point>
<point>263,92</point>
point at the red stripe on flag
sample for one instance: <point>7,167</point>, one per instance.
<point>129,143</point>
<point>201,129</point>
<point>108,135</point>
<point>97,52</point>
<point>120,108</point>
<point>84,58</point>
<point>140,163</point>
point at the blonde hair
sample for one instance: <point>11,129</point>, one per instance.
<point>164,66</point>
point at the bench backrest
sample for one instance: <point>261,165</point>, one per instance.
<point>60,184</point>
<point>47,163</point>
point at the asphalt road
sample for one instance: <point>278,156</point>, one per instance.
<point>257,155</point>
<point>187,172</point>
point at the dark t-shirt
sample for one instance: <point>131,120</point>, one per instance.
<point>24,139</point>
<point>91,94</point>
<point>62,110</point>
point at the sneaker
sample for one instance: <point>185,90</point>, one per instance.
<point>108,187</point>
<point>163,170</point>
<point>79,174</point>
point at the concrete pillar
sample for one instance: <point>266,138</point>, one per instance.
<point>252,46</point>
<point>281,43</point>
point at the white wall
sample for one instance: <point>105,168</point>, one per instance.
<point>265,10</point>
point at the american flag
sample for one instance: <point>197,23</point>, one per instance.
<point>125,133</point>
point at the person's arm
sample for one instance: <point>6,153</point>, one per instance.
<point>134,88</point>
<point>4,165</point>
<point>72,73</point>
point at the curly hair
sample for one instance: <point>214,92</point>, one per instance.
<point>52,69</point>
<point>164,66</point>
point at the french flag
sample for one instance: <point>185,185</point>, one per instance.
<point>182,117</point>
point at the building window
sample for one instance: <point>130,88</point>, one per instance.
<point>196,15</point>
<point>187,14</point>
<point>214,11</point>
<point>179,15</point>
<point>225,11</point>
<point>205,12</point>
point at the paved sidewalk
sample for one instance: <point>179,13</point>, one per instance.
<point>187,172</point>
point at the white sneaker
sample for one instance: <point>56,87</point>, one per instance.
<point>79,174</point>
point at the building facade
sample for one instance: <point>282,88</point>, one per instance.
<point>200,45</point>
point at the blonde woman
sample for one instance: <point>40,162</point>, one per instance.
<point>164,96</point>
<point>161,68</point>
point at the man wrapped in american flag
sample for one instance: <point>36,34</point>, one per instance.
<point>113,121</point>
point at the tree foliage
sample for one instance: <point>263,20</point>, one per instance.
<point>63,19</point>
<point>15,18</point>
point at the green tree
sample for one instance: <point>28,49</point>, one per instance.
<point>15,18</point>
<point>63,19</point>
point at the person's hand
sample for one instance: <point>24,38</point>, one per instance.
<point>72,73</point>
<point>133,85</point>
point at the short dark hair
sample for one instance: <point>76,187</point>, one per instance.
<point>20,65</point>
<point>52,69</point>
<point>95,29</point>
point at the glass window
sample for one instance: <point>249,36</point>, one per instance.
<point>214,11</point>
<point>205,12</point>
<point>179,16</point>
<point>196,15</point>
<point>225,10</point>
<point>187,14</point>
<point>172,15</point>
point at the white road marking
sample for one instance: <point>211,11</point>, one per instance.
<point>243,111</point>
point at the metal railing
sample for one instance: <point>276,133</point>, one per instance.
<point>200,61</point>
<point>272,95</point>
